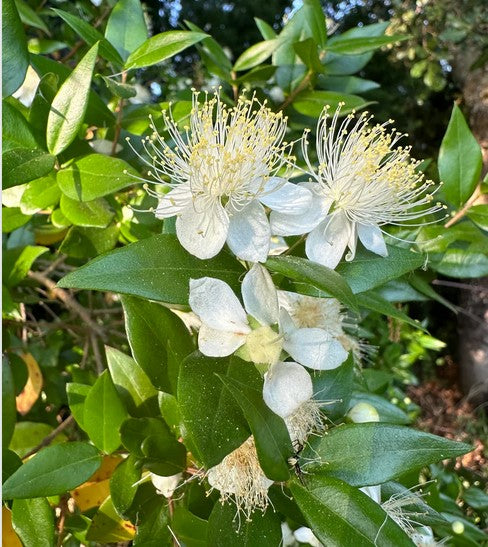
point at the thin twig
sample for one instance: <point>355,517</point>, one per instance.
<point>292,96</point>
<point>460,214</point>
<point>118,126</point>
<point>96,353</point>
<point>49,438</point>
<point>456,285</point>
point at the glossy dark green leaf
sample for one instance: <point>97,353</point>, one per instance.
<point>260,530</point>
<point>255,55</point>
<point>371,453</point>
<point>460,160</point>
<point>29,17</point>
<point>157,268</point>
<point>188,528</point>
<point>334,388</point>
<point>212,418</point>
<point>76,399</point>
<point>86,242</point>
<point>14,47</point>
<point>340,515</point>
<point>373,301</point>
<point>145,319</point>
<point>91,36</point>
<point>103,414</point>
<point>122,481</point>
<point>95,176</point>
<point>126,28</point>
<point>70,104</point>
<point>9,412</point>
<point>41,104</point>
<point>97,112</point>
<point>132,383</point>
<point>21,165</point>
<point>273,444</point>
<point>312,103</point>
<point>369,270</point>
<point>95,213</point>
<point>10,463</point>
<point>18,261</point>
<point>154,529</point>
<point>161,47</point>
<point>305,271</point>
<point>387,411</point>
<point>33,521</point>
<point>42,193</point>
<point>53,470</point>
<point>362,44</point>
<point>17,132</point>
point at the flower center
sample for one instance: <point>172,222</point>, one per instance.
<point>263,345</point>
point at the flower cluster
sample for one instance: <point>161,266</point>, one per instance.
<point>225,181</point>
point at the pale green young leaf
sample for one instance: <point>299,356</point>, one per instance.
<point>126,28</point>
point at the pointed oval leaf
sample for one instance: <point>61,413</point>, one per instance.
<point>69,105</point>
<point>14,47</point>
<point>21,165</point>
<point>95,213</point>
<point>53,470</point>
<point>33,521</point>
<point>255,55</point>
<point>126,28</point>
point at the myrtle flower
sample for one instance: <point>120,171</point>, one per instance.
<point>165,486</point>
<point>288,392</point>
<point>259,330</point>
<point>362,182</point>
<point>222,173</point>
<point>239,477</point>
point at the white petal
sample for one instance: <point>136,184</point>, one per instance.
<point>285,197</point>
<point>249,233</point>
<point>314,348</point>
<point>374,492</point>
<point>287,325</point>
<point>259,295</point>
<point>219,343</point>
<point>202,232</point>
<point>174,202</point>
<point>326,243</point>
<point>165,486</point>
<point>305,535</point>
<point>372,238</point>
<point>286,387</point>
<point>217,306</point>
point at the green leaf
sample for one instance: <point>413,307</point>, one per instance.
<point>122,489</point>
<point>460,160</point>
<point>96,213</point>
<point>308,53</point>
<point>369,270</point>
<point>16,130</point>
<point>126,28</point>
<point>188,528</point>
<point>479,215</point>
<point>21,165</point>
<point>41,104</point>
<point>145,319</point>
<point>373,301</point>
<point>28,435</point>
<point>9,413</point>
<point>259,74</point>
<point>161,47</point>
<point>40,194</point>
<point>154,530</point>
<point>97,112</point>
<point>133,385</point>
<point>103,414</point>
<point>29,17</point>
<point>347,84</point>
<point>156,268</point>
<point>267,31</point>
<point>10,463</point>
<point>372,453</point>
<point>70,104</point>
<point>421,285</point>
<point>89,242</point>
<point>107,527</point>
<point>312,103</point>
<point>273,444</point>
<point>334,387</point>
<point>18,261</point>
<point>461,263</point>
<point>95,176</point>
<point>33,521</point>
<point>255,55</point>
<point>123,91</point>
<point>14,47</point>
<point>259,530</point>
<point>52,471</point>
<point>305,271</point>
<point>76,399</point>
<point>91,36</point>
<point>363,44</point>
<point>13,218</point>
<point>212,418</point>
<point>388,412</point>
<point>340,514</point>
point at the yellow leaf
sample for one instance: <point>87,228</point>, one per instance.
<point>29,395</point>
<point>9,537</point>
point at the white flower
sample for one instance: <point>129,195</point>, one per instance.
<point>305,535</point>
<point>239,477</point>
<point>288,392</point>
<point>362,182</point>
<point>165,486</point>
<point>228,326</point>
<point>222,173</point>
<point>363,412</point>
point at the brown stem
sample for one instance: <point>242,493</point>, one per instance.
<point>235,87</point>
<point>49,438</point>
<point>292,96</point>
<point>118,125</point>
<point>460,214</point>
